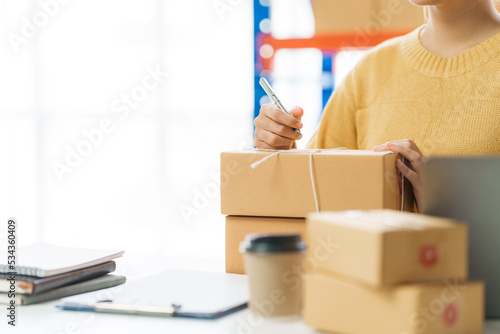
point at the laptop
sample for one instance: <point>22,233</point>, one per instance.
<point>468,189</point>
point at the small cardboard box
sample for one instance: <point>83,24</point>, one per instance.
<point>398,15</point>
<point>366,17</point>
<point>339,16</point>
<point>280,184</point>
<point>386,247</point>
<point>238,227</point>
<point>339,306</point>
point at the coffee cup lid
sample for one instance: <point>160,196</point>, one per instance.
<point>266,243</point>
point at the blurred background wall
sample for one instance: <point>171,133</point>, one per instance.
<point>113,114</point>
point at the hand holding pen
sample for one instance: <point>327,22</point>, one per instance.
<point>275,127</point>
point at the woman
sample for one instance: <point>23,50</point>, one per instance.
<point>438,86</point>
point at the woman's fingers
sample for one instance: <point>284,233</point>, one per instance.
<point>415,179</point>
<point>272,140</point>
<point>409,173</point>
<point>279,116</point>
<point>281,130</point>
<point>274,129</point>
<point>261,144</point>
<point>408,149</point>
<point>297,112</point>
<point>407,152</point>
<point>410,143</point>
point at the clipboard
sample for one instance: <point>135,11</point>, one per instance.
<point>174,293</point>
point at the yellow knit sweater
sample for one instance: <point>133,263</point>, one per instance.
<point>449,106</point>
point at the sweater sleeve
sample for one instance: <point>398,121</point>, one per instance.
<point>337,127</point>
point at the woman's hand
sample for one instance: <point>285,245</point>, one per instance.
<point>408,149</point>
<point>274,129</point>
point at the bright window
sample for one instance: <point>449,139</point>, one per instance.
<point>90,62</point>
<point>113,115</point>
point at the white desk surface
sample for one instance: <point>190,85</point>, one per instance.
<point>46,319</point>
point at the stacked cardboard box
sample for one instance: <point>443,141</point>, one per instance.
<point>269,192</point>
<point>237,227</point>
<point>390,272</point>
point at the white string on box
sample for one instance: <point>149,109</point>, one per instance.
<point>312,181</point>
<point>402,187</point>
<point>311,152</point>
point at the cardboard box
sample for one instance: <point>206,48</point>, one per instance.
<point>281,186</point>
<point>386,247</point>
<point>398,15</point>
<point>446,307</point>
<point>338,16</point>
<point>366,17</point>
<point>238,227</point>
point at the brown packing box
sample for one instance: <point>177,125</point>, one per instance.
<point>366,17</point>
<point>238,227</point>
<point>281,185</point>
<point>340,15</point>
<point>398,15</point>
<point>444,307</point>
<point>386,247</point>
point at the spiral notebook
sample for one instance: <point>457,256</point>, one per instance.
<point>42,260</point>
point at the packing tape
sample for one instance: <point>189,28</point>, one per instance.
<point>402,187</point>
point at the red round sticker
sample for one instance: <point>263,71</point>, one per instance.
<point>429,255</point>
<point>450,314</point>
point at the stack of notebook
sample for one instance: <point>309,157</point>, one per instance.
<point>45,272</point>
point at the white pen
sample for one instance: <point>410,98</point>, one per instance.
<point>272,95</point>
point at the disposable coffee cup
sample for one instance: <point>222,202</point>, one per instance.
<point>273,264</point>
